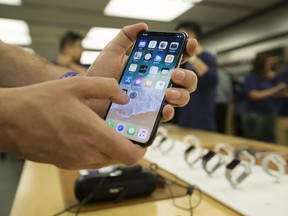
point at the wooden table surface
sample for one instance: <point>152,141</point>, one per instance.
<point>39,190</point>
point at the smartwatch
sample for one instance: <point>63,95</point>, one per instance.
<point>163,143</point>
<point>278,162</point>
<point>245,161</point>
<point>206,162</point>
<point>225,150</point>
<point>218,157</point>
<point>194,152</point>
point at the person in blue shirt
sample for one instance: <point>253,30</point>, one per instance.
<point>260,100</point>
<point>282,112</point>
<point>199,112</point>
<point>283,100</point>
<point>70,51</point>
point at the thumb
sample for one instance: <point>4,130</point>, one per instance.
<point>98,88</point>
<point>125,38</point>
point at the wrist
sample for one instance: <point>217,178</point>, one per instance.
<point>6,110</point>
<point>69,74</point>
<point>193,59</point>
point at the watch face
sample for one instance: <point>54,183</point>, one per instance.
<point>191,148</point>
<point>233,164</point>
<point>208,156</point>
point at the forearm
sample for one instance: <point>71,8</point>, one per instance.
<point>75,67</point>
<point>200,67</point>
<point>20,68</point>
<point>5,117</point>
<point>264,94</point>
<point>284,94</point>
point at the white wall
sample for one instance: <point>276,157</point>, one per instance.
<point>268,24</point>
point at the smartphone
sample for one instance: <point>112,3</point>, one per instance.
<point>146,78</point>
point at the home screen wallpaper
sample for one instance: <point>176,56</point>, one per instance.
<point>145,79</point>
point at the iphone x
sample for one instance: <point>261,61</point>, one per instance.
<point>146,78</point>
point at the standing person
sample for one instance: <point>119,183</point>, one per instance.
<point>70,51</point>
<point>260,92</point>
<point>281,128</point>
<point>199,112</point>
<point>60,121</point>
<point>224,95</point>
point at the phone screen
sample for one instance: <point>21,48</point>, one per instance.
<point>145,79</point>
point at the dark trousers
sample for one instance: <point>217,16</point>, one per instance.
<point>220,116</point>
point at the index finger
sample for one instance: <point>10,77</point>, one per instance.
<point>190,50</point>
<point>120,148</point>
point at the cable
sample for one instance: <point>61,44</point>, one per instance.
<point>91,195</point>
<point>65,210</point>
<point>190,189</point>
<point>167,181</point>
<point>84,201</point>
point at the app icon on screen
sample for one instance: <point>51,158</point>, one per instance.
<point>169,58</point>
<point>133,67</point>
<point>165,71</point>
<point>133,94</point>
<point>137,82</point>
<point>148,56</point>
<point>148,83</point>
<point>142,43</point>
<point>153,70</point>
<point>120,128</point>
<point>131,130</point>
<point>158,57</point>
<point>143,68</point>
<point>152,44</point>
<point>128,80</point>
<point>137,55</point>
<point>163,45</point>
<point>159,85</point>
<point>174,46</point>
<point>142,133</point>
<point>111,123</point>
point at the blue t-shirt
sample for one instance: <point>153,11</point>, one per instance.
<point>283,102</point>
<point>253,82</point>
<point>199,112</point>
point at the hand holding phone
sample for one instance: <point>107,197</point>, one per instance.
<point>146,78</point>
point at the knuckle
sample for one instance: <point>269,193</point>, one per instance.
<point>76,82</point>
<point>136,156</point>
<point>111,84</point>
<point>131,160</point>
<point>187,96</point>
<point>193,82</point>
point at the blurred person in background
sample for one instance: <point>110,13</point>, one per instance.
<point>260,100</point>
<point>224,95</point>
<point>282,117</point>
<point>70,51</point>
<point>199,112</point>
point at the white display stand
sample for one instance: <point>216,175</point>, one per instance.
<point>259,194</point>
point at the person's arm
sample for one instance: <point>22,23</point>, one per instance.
<point>20,68</point>
<point>284,94</point>
<point>50,123</point>
<point>266,93</point>
<point>200,66</point>
<point>67,62</point>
